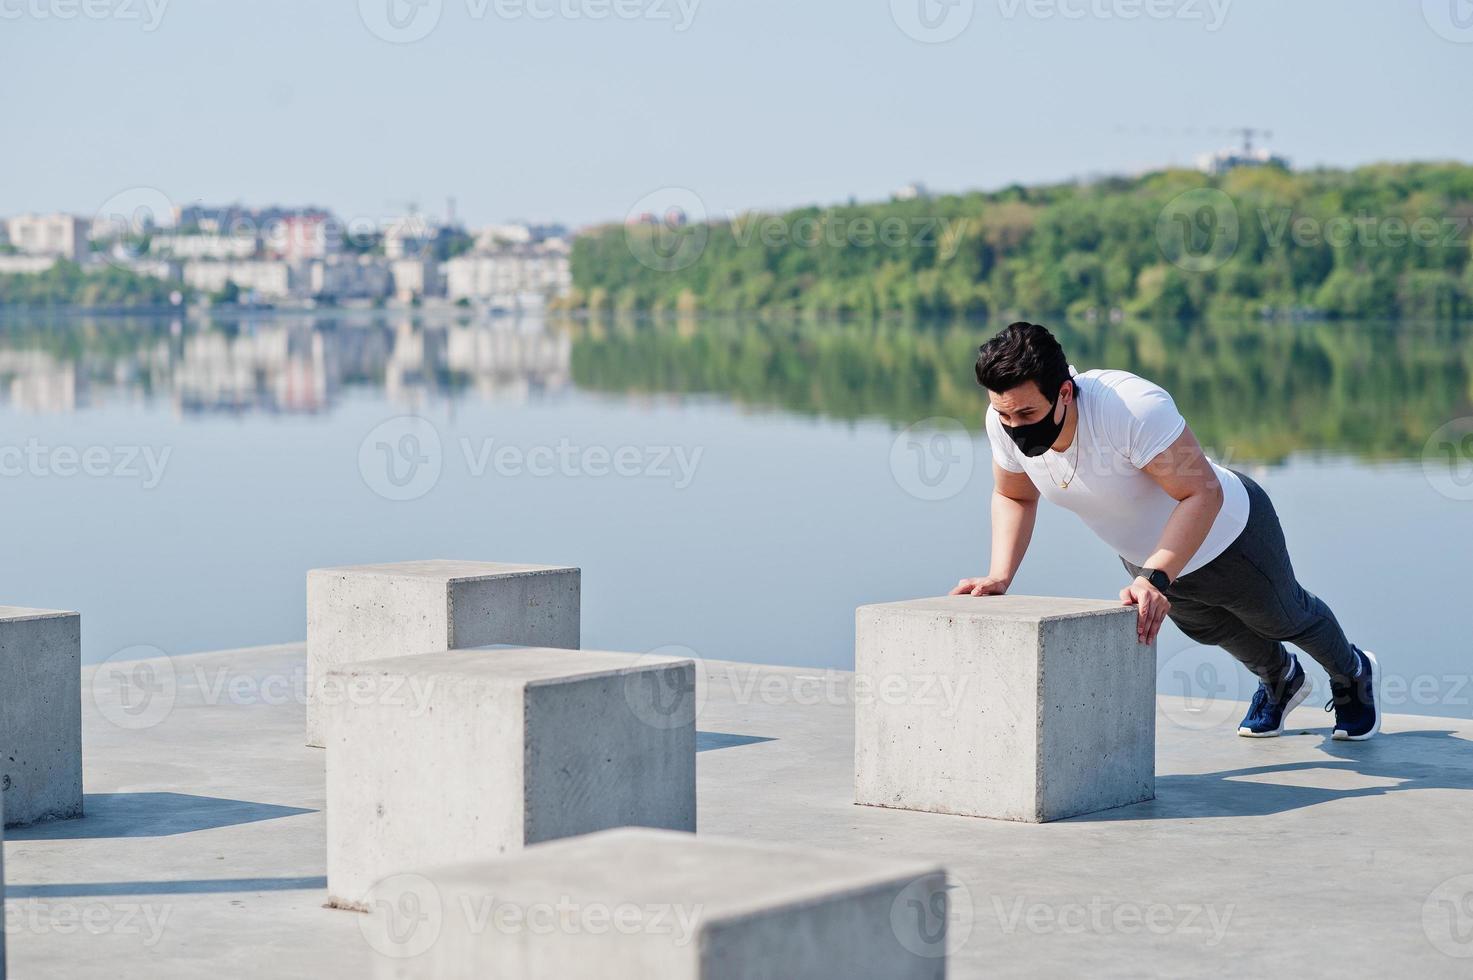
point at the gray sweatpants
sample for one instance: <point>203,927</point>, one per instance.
<point>1247,601</point>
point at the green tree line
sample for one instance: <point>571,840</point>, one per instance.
<point>1381,241</point>
<point>66,284</point>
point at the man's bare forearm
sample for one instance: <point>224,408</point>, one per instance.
<point>1012,529</point>
<point>1185,531</point>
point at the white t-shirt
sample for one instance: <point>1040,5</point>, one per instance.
<point>1125,421</point>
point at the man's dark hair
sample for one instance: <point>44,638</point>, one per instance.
<point>1023,352</point>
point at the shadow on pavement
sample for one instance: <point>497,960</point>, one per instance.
<point>1404,761</point>
<point>150,815</point>
<point>197,886</point>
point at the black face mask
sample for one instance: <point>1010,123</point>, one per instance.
<point>1035,437</point>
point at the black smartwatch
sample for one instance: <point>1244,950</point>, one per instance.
<point>1156,577</point>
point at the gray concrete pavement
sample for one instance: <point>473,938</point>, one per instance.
<point>202,852</point>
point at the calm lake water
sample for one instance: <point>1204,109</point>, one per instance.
<point>734,488</point>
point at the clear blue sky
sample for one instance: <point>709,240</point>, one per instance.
<point>756,103</point>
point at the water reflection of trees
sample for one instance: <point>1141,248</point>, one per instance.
<point>1251,390</point>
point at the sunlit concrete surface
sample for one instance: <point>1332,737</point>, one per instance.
<point>40,716</point>
<point>465,755</point>
<point>692,908</point>
<point>203,849</point>
<point>364,612</point>
<point>1053,713</point>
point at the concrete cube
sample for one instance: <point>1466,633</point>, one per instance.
<point>365,612</point>
<point>635,904</point>
<point>469,754</point>
<point>3,917</point>
<point>1016,707</point>
<point>40,714</point>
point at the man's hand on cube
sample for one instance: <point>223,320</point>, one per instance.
<point>987,585</point>
<point>1152,605</point>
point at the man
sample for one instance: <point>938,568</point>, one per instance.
<point>1202,541</point>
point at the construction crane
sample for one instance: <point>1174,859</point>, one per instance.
<point>1248,132</point>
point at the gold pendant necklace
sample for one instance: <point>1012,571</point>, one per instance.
<point>1073,469</point>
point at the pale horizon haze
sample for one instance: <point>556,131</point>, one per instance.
<point>534,109</point>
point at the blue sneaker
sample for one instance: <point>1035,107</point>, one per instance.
<point>1357,715</point>
<point>1270,706</point>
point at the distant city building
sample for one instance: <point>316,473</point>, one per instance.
<point>409,237</point>
<point>215,220</point>
<point>115,225</point>
<point>415,278</point>
<point>278,254</point>
<point>519,278</point>
<point>26,264</point>
<point>60,235</point>
<point>1247,156</point>
<point>349,277</point>
<point>106,227</point>
<point>231,219</point>
<point>301,237</point>
<point>914,191</point>
<point>239,245</point>
<point>294,234</point>
<point>492,238</point>
<point>265,279</point>
<point>165,269</point>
